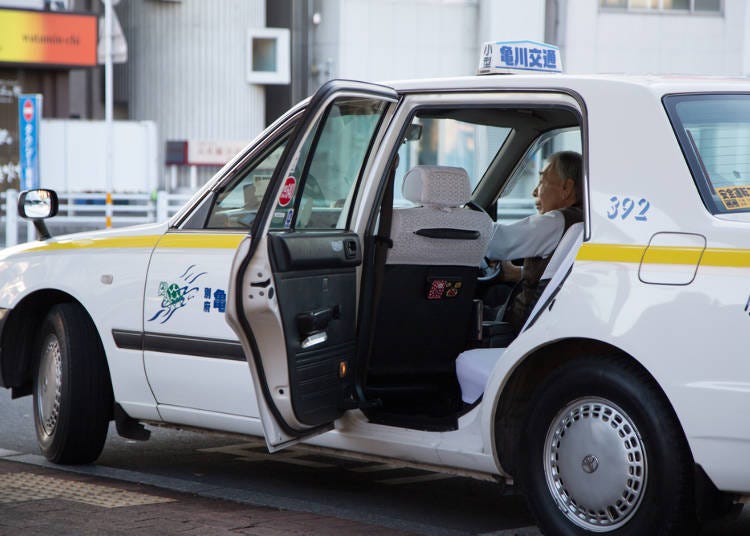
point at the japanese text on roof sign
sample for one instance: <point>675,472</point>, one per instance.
<point>533,58</point>
<point>519,56</point>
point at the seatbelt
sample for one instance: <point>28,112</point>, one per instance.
<point>383,240</point>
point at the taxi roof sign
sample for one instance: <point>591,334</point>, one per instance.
<point>519,56</point>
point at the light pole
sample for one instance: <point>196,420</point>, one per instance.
<point>109,142</point>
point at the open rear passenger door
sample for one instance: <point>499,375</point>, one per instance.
<point>293,284</point>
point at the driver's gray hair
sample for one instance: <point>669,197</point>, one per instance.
<point>569,165</point>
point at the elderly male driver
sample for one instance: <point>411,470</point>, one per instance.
<point>558,199</point>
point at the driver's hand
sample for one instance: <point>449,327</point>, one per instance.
<point>510,272</point>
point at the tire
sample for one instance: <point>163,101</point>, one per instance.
<point>603,453</point>
<point>71,389</point>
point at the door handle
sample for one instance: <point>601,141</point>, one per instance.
<point>314,340</point>
<point>350,248</point>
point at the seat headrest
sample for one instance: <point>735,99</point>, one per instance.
<point>438,186</point>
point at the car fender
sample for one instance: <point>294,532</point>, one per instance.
<point>105,273</point>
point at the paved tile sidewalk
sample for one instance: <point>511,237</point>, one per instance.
<point>42,501</point>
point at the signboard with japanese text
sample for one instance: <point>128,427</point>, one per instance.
<point>212,152</point>
<point>43,38</point>
<point>519,56</point>
<point>29,118</point>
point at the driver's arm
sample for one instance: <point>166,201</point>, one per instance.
<point>534,236</point>
<point>510,273</point>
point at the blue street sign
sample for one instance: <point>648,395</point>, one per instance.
<point>29,118</point>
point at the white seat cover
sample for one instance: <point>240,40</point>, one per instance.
<point>473,368</point>
<point>442,191</point>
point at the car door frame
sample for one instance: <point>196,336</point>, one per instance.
<point>281,426</point>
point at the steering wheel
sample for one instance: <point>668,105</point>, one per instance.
<point>489,270</point>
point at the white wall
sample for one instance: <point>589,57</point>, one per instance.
<point>510,20</point>
<point>600,40</point>
<point>187,69</point>
<point>377,40</point>
<point>72,156</point>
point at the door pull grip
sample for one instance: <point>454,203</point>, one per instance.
<point>314,340</point>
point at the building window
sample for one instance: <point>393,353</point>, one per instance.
<point>268,56</point>
<point>664,6</point>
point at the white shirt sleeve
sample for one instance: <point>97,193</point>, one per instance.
<point>534,236</point>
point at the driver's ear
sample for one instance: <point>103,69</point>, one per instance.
<point>569,187</point>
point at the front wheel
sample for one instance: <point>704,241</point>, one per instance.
<point>604,453</point>
<point>72,390</point>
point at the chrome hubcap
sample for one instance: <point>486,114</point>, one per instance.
<point>595,464</point>
<point>49,385</point>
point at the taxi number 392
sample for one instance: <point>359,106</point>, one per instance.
<point>627,207</point>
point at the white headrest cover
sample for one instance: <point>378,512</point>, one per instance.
<point>438,186</point>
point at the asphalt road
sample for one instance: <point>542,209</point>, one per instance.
<point>302,479</point>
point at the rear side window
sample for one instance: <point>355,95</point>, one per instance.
<point>714,133</point>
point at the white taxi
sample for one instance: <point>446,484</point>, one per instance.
<point>344,246</point>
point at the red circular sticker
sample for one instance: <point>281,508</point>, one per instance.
<point>287,193</point>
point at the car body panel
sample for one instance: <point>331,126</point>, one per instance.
<point>641,284</point>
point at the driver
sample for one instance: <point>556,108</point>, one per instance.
<point>558,199</point>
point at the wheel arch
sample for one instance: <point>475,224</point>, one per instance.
<point>512,405</point>
<point>23,322</point>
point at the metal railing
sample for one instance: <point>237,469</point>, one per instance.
<point>80,212</point>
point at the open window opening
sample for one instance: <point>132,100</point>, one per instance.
<point>457,171</point>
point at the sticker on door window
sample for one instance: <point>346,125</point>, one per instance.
<point>176,295</point>
<point>287,192</point>
<point>734,197</point>
<point>288,218</point>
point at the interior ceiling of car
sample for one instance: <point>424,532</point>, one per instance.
<point>540,119</point>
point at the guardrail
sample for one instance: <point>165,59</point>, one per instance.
<point>87,211</point>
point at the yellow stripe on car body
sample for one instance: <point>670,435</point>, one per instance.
<point>721,257</point>
<point>169,240</point>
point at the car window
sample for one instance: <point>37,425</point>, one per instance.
<point>328,165</point>
<point>236,205</point>
<point>446,141</point>
<point>714,133</point>
<point>516,200</point>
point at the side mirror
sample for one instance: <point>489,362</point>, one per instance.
<point>36,205</point>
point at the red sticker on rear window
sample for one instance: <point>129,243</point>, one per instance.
<point>287,193</point>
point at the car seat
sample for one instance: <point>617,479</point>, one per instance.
<point>424,315</point>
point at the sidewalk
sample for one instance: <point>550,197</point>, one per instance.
<point>43,501</point>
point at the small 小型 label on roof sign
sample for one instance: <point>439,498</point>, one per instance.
<point>519,56</point>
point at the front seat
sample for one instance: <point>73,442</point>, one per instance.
<point>424,316</point>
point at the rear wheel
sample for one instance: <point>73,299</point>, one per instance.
<point>604,453</point>
<point>72,390</point>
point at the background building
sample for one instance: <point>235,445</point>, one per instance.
<point>210,74</point>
